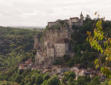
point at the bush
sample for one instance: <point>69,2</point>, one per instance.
<point>53,81</point>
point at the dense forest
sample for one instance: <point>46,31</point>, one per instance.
<point>16,45</point>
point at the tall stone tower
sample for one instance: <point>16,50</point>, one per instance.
<point>81,18</point>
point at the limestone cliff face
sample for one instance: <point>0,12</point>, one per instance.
<point>53,43</point>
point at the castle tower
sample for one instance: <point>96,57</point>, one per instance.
<point>81,16</point>
<point>81,19</point>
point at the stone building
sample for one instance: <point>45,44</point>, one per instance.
<point>50,24</point>
<point>72,21</point>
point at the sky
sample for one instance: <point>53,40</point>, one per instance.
<point>39,12</point>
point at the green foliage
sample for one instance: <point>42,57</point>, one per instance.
<point>15,46</point>
<point>95,81</point>
<point>68,75</point>
<point>83,80</point>
<point>53,81</point>
<point>84,55</point>
<point>7,83</point>
<point>28,77</point>
<point>68,78</point>
<point>103,45</point>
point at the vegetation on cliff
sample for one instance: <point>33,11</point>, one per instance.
<point>16,46</point>
<point>102,43</point>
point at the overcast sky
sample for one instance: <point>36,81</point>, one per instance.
<point>39,12</point>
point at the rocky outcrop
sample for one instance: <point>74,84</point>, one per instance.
<point>54,42</point>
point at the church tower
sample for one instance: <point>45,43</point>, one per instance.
<point>81,19</point>
<point>81,16</point>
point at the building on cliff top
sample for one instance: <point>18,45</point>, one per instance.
<point>72,21</point>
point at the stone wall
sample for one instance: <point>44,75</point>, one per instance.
<point>50,24</point>
<point>36,43</point>
<point>50,52</point>
<point>39,58</point>
<point>61,49</point>
<point>74,20</point>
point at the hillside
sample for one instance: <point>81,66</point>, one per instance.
<point>65,44</point>
<point>16,46</point>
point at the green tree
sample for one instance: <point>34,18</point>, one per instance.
<point>95,81</point>
<point>83,80</point>
<point>53,81</point>
<point>68,77</point>
<point>102,44</point>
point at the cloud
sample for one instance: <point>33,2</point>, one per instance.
<point>29,14</point>
<point>39,12</point>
